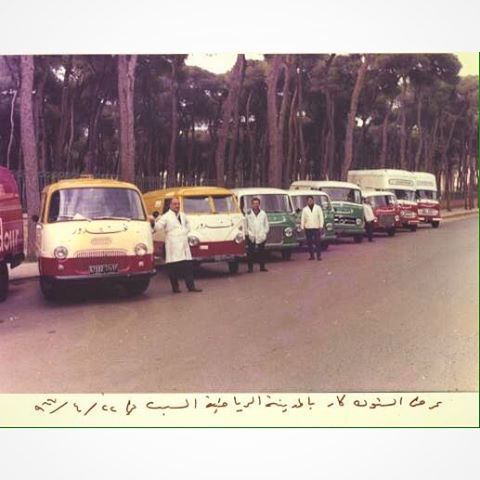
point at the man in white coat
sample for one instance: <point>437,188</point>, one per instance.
<point>257,231</point>
<point>369,218</point>
<point>312,222</point>
<point>177,250</point>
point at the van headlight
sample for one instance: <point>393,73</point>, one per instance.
<point>329,226</point>
<point>60,253</point>
<point>193,241</point>
<point>288,232</point>
<point>140,249</point>
<point>397,218</point>
<point>359,221</point>
<point>239,238</point>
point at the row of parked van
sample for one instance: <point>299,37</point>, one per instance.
<point>98,230</point>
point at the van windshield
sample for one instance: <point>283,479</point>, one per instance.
<point>94,204</point>
<point>224,204</point>
<point>270,202</point>
<point>299,201</point>
<point>378,201</point>
<point>426,194</point>
<point>342,194</point>
<point>197,204</point>
<point>405,195</point>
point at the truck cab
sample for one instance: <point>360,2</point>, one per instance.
<point>217,225</point>
<point>384,205</point>
<point>93,230</point>
<point>276,203</point>
<point>426,195</point>
<point>346,199</point>
<point>299,200</point>
<point>11,229</point>
<point>399,182</point>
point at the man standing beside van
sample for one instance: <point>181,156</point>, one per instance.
<point>312,222</point>
<point>369,218</point>
<point>177,250</point>
<point>257,231</point>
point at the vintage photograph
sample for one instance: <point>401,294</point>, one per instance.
<point>239,223</point>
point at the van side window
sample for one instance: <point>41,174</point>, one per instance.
<point>54,209</point>
<point>166,205</point>
<point>242,204</point>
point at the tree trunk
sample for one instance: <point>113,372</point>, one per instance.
<point>403,126</point>
<point>383,153</point>
<point>233,144</point>
<point>357,89</point>
<point>29,150</point>
<point>416,162</point>
<point>12,126</point>
<point>126,86</point>
<point>228,106</point>
<point>172,161</point>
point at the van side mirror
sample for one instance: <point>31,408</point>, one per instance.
<point>35,218</point>
<point>155,214</point>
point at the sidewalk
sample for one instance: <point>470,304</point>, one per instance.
<point>30,269</point>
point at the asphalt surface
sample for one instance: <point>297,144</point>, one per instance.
<point>399,314</point>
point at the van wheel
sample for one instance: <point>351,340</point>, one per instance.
<point>48,288</point>
<point>3,282</point>
<point>286,254</point>
<point>391,232</point>
<point>233,267</point>
<point>413,228</point>
<point>137,286</point>
<point>435,224</point>
<point>358,238</point>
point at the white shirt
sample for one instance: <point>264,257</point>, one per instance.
<point>176,236</point>
<point>257,226</point>
<point>368,213</point>
<point>312,218</point>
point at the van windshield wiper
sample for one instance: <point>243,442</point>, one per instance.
<point>109,217</point>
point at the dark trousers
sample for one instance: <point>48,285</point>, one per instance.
<point>369,229</point>
<point>182,269</point>
<point>313,242</point>
<point>255,253</point>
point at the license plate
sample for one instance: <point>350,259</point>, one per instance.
<point>103,268</point>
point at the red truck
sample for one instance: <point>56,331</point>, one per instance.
<point>11,228</point>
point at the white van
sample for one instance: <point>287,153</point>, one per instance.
<point>427,198</point>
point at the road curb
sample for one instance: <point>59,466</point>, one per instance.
<point>460,214</point>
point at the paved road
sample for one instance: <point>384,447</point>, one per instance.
<point>400,314</point>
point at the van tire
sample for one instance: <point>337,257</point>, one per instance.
<point>48,288</point>
<point>358,238</point>
<point>412,228</point>
<point>137,286</point>
<point>3,282</point>
<point>233,267</point>
<point>435,224</point>
<point>286,254</point>
<point>391,232</point>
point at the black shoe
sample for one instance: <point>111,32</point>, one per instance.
<point>263,269</point>
<point>312,258</point>
<point>176,290</point>
<point>195,289</point>
<point>370,239</point>
<point>319,258</point>
<point>250,270</point>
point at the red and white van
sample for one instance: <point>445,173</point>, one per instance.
<point>384,205</point>
<point>399,182</point>
<point>427,198</point>
<point>11,228</point>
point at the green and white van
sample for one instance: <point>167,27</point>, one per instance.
<point>299,200</point>
<point>346,199</point>
<point>276,203</point>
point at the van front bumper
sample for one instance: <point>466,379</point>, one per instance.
<point>102,276</point>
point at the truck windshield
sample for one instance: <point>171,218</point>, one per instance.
<point>224,204</point>
<point>299,201</point>
<point>426,194</point>
<point>94,204</point>
<point>405,195</point>
<point>270,202</point>
<point>342,194</point>
<point>197,204</point>
<point>378,201</point>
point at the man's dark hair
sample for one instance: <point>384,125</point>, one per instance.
<point>256,199</point>
<point>310,197</point>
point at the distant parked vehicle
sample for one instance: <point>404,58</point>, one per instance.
<point>299,200</point>
<point>384,206</point>
<point>400,182</point>
<point>11,229</point>
<point>217,230</point>
<point>93,230</point>
<point>426,195</point>
<point>276,203</point>
<point>346,199</point>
